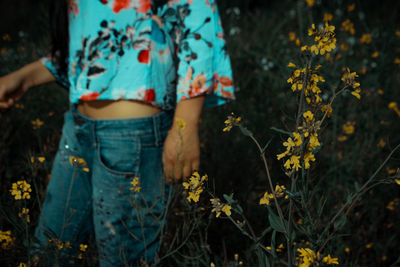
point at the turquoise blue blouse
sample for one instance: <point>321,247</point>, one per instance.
<point>131,49</point>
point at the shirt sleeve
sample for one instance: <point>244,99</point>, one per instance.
<point>51,65</point>
<point>204,66</point>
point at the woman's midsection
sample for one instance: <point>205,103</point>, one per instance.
<point>108,109</point>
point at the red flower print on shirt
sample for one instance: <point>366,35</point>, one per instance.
<point>144,56</point>
<point>73,7</point>
<point>144,6</point>
<point>121,4</point>
<point>197,86</point>
<point>104,2</point>
<point>90,96</point>
<point>222,81</point>
<point>149,95</point>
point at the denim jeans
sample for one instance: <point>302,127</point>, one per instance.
<point>96,196</point>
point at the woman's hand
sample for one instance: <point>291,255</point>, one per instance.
<point>14,85</point>
<point>12,88</point>
<point>181,155</point>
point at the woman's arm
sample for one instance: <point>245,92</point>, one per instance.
<point>181,155</point>
<point>14,85</point>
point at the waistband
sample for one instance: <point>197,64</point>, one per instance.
<point>141,126</point>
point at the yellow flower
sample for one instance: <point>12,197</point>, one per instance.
<point>347,250</point>
<point>6,239</point>
<point>24,213</point>
<point>313,142</point>
<point>227,210</point>
<point>397,33</point>
<point>181,124</point>
<point>380,92</point>
<point>381,143</point>
<point>21,190</point>
<point>366,38</point>
<point>397,60</point>
<point>292,36</point>
<point>195,186</point>
<point>324,108</point>
<point>351,7</point>
<point>310,2</point>
<point>375,54</point>
<point>265,200</point>
<point>327,17</point>
<point>369,245</point>
<point>37,124</point>
<point>231,121</point>
<point>308,115</point>
<point>135,185</point>
<point>348,26</point>
<point>291,65</point>
<point>306,256</point>
<point>82,247</point>
<point>280,247</point>
<point>297,138</point>
<point>307,158</point>
<point>219,207</point>
<point>342,138</point>
<point>329,260</point>
<point>280,190</point>
<point>348,127</point>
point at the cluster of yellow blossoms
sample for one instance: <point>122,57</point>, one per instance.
<point>307,257</point>
<point>231,121</point>
<point>349,79</point>
<point>24,213</point>
<point>6,239</point>
<point>294,146</point>
<point>307,81</point>
<point>78,162</point>
<point>219,207</point>
<point>135,185</point>
<point>195,186</point>
<point>279,192</point>
<point>21,190</point>
<point>393,106</point>
<point>324,37</point>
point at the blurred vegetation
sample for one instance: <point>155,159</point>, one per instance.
<point>257,33</point>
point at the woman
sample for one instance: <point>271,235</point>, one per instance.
<point>134,69</point>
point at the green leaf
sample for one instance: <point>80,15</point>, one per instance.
<point>266,145</point>
<point>245,131</point>
<point>281,131</point>
<point>275,222</point>
<point>229,199</point>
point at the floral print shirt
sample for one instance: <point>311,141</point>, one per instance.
<point>133,49</point>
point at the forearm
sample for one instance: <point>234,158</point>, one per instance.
<point>34,74</point>
<point>189,110</point>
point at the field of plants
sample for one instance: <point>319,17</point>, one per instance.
<point>302,169</point>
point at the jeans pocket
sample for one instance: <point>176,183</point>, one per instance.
<point>119,155</point>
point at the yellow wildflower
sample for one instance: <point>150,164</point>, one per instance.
<point>22,264</point>
<point>297,138</point>
<point>397,33</point>
<point>21,190</point>
<point>397,60</point>
<point>195,186</point>
<point>6,239</point>
<point>231,121</point>
<point>324,108</point>
<point>313,143</point>
<point>265,200</point>
<point>342,138</point>
<point>393,106</point>
<point>308,115</point>
<point>327,17</point>
<point>82,247</point>
<point>291,65</point>
<point>375,54</point>
<point>135,185</point>
<point>380,92</point>
<point>348,26</point>
<point>306,257</point>
<point>310,2</point>
<point>307,158</point>
<point>279,248</point>
<point>219,207</point>
<point>280,190</point>
<point>351,7</point>
<point>24,213</point>
<point>348,127</point>
<point>37,124</point>
<point>329,260</point>
<point>366,38</point>
<point>181,124</point>
<point>369,245</point>
<point>381,143</point>
<point>292,36</point>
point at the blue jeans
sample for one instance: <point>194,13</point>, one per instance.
<point>96,196</point>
